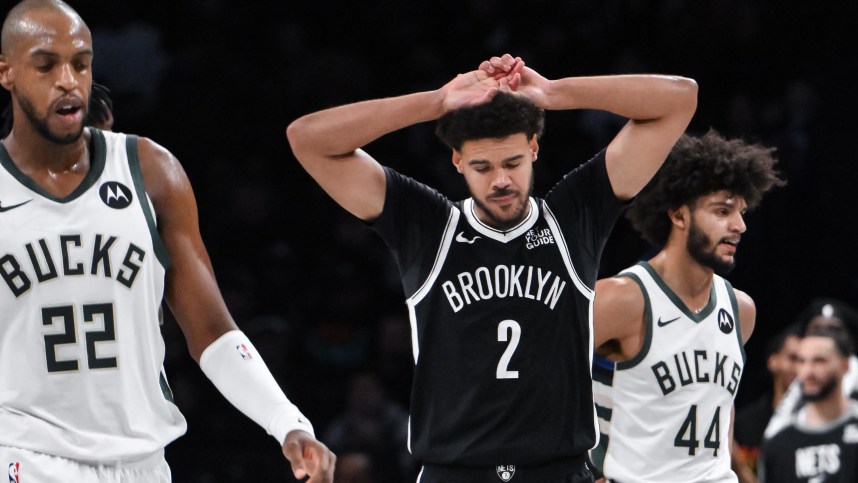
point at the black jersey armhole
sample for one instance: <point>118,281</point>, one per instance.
<point>140,189</point>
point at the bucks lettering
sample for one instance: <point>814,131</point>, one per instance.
<point>697,366</point>
<point>504,281</point>
<point>68,255</point>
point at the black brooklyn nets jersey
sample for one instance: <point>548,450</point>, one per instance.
<point>797,453</point>
<point>501,321</point>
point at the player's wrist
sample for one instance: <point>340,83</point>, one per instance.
<point>237,370</point>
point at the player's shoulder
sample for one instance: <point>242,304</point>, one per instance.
<point>620,286</point>
<point>745,302</point>
<point>163,175</point>
<point>620,293</point>
<point>747,313</point>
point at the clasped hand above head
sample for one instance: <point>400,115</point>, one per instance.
<point>497,74</point>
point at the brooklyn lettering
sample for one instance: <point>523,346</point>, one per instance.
<point>697,366</point>
<point>501,282</point>
<point>69,256</point>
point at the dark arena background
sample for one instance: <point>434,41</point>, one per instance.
<point>217,82</point>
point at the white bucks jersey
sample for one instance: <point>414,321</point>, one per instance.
<point>82,282</point>
<point>666,412</point>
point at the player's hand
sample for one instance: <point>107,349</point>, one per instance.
<point>505,69</point>
<point>469,89</point>
<point>309,457</point>
<point>514,76</point>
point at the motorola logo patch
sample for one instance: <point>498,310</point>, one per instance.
<point>115,195</point>
<point>725,322</point>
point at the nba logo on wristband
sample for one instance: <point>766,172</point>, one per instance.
<point>13,472</point>
<point>243,352</point>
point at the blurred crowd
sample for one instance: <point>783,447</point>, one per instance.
<point>217,81</point>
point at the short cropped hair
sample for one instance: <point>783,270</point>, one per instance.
<point>698,166</point>
<point>778,341</point>
<point>842,340</point>
<point>840,313</point>
<point>506,114</point>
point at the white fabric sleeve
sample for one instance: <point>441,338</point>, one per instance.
<point>239,373</point>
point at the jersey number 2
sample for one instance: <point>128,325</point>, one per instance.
<point>514,330</point>
<point>91,313</point>
<point>687,435</point>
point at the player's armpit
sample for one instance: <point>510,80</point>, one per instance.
<point>618,312</point>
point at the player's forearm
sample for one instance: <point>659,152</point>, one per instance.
<point>342,130</point>
<point>238,372</point>
<point>638,97</point>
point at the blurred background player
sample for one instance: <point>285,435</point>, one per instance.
<point>751,420</point>
<point>819,442</point>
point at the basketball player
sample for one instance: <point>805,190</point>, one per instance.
<point>819,443</point>
<point>499,286</point>
<point>84,267</point>
<point>672,325</point>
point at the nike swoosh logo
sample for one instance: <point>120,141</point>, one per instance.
<point>7,208</point>
<point>662,323</point>
<point>461,238</point>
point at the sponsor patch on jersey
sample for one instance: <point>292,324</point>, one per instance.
<point>243,351</point>
<point>115,195</point>
<point>850,434</point>
<point>538,236</point>
<point>725,321</point>
<point>506,472</point>
<point>14,471</point>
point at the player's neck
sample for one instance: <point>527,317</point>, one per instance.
<point>688,279</point>
<point>32,153</point>
<point>820,413</point>
<point>778,393</point>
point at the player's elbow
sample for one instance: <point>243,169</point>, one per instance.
<point>686,95</point>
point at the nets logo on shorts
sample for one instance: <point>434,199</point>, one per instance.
<point>14,469</point>
<point>506,472</point>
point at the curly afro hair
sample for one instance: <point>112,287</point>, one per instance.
<point>506,114</point>
<point>698,166</point>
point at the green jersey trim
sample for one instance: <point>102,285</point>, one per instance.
<point>696,317</point>
<point>735,304</point>
<point>622,365</point>
<point>97,160</point>
<point>140,189</point>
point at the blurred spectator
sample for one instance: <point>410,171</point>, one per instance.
<point>819,443</point>
<point>752,419</point>
<point>354,468</point>
<point>821,313</point>
<point>373,425</point>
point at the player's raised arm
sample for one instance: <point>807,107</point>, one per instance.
<point>658,107</point>
<point>327,143</point>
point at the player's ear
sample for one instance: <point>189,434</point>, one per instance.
<point>457,160</point>
<point>534,146</point>
<point>5,74</point>
<point>679,216</point>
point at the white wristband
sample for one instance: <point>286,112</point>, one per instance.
<point>239,373</point>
